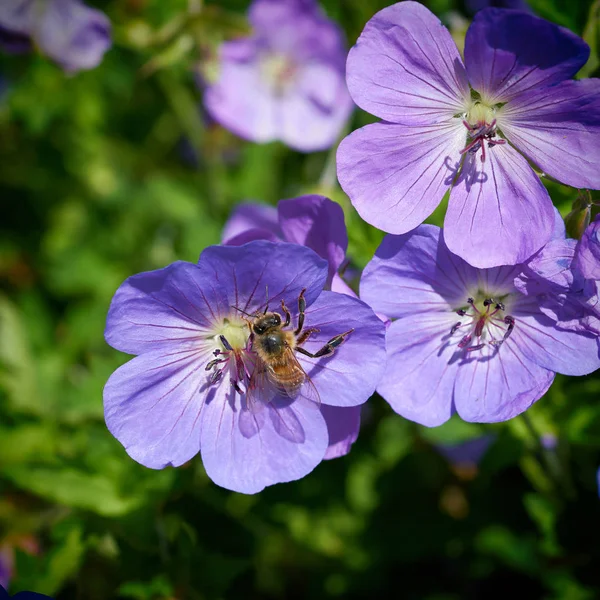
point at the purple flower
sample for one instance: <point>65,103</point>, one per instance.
<point>197,383</point>
<point>465,340</point>
<point>71,33</point>
<point>312,221</point>
<point>285,82</point>
<point>564,277</point>
<point>469,128</point>
<point>318,223</point>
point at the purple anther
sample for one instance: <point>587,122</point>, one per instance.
<point>455,327</point>
<point>215,376</point>
<point>225,343</point>
<point>465,341</point>
<point>473,348</point>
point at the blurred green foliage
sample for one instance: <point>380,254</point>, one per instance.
<point>116,171</point>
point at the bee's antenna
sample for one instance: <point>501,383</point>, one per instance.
<point>242,311</point>
<point>267,294</point>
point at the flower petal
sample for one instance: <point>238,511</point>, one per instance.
<point>170,307</point>
<point>252,115</point>
<point>251,215</point>
<point>405,67</point>
<point>152,405</point>
<point>552,265</point>
<point>499,212</point>
<point>560,350</point>
<point>257,268</point>
<point>252,235</point>
<point>316,222</point>
<point>414,273</point>
<point>343,425</point>
<point>587,255</point>
<point>73,34</point>
<point>559,130</point>
<point>509,52</point>
<point>245,452</point>
<point>421,368</point>
<point>396,175</point>
<point>314,111</point>
<point>350,375</point>
<point>499,386</point>
<point>17,16</point>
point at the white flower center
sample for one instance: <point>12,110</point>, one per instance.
<point>279,71</point>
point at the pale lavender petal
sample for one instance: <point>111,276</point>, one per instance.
<point>251,216</point>
<point>414,273</point>
<point>560,350</point>
<point>152,405</point>
<point>422,365</point>
<point>406,68</point>
<point>262,268</point>
<point>341,287</point>
<point>499,212</point>
<point>73,34</point>
<point>17,15</point>
<point>252,115</point>
<point>587,257</point>
<point>553,265</point>
<point>299,29</point>
<point>170,307</point>
<point>560,230</point>
<point>316,222</point>
<point>245,452</point>
<point>350,375</point>
<point>316,107</point>
<point>396,175</point>
<point>343,425</point>
<point>499,387</point>
<point>558,130</point>
<point>510,52</point>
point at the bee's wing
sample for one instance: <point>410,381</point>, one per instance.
<point>306,389</point>
<point>258,383</point>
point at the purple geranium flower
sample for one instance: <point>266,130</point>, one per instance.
<point>469,128</point>
<point>318,223</point>
<point>186,390</point>
<point>285,82</point>
<point>313,221</point>
<point>71,33</point>
<point>465,340</point>
<point>564,277</point>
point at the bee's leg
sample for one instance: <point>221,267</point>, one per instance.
<point>301,309</point>
<point>288,316</point>
<point>329,347</point>
<point>305,335</point>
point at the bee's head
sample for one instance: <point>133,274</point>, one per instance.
<point>265,322</point>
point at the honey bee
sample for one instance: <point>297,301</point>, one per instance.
<point>276,348</point>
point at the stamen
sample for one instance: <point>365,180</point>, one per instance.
<point>215,376</point>
<point>465,341</point>
<point>214,363</point>
<point>225,343</point>
<point>482,323</point>
<point>473,348</point>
